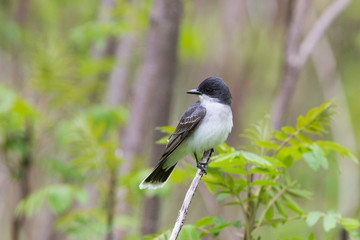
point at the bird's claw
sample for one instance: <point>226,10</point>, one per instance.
<point>202,167</point>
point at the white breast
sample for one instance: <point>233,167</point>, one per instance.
<point>213,129</point>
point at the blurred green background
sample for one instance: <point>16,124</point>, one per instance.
<point>76,133</point>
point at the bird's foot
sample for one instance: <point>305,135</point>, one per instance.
<point>202,167</point>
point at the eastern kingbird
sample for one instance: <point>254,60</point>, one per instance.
<point>204,125</point>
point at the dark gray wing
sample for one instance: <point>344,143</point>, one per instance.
<point>189,121</point>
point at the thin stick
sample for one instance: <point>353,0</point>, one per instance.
<point>188,197</point>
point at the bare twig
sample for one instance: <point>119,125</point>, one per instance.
<point>296,56</point>
<point>188,197</point>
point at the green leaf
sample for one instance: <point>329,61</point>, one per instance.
<point>281,136</point>
<point>211,188</point>
<point>226,160</point>
<point>189,232</point>
<point>236,224</point>
<point>300,122</point>
<point>7,97</point>
<point>300,193</point>
<point>338,149</point>
<point>222,196</point>
<point>163,140</point>
<point>316,118</point>
<point>303,138</point>
<point>32,203</point>
<point>269,214</point>
<point>206,221</point>
<point>330,220</point>
<point>81,196</point>
<point>166,129</point>
<point>266,144</point>
<point>354,235</point>
<point>216,230</point>
<point>311,160</point>
<point>213,179</point>
<point>292,205</point>
<point>313,218</point>
<point>232,203</point>
<point>316,157</point>
<point>256,159</point>
<point>260,171</point>
<point>263,183</point>
<point>349,224</point>
<point>319,154</point>
<point>288,130</point>
<point>311,236</point>
<point>59,198</point>
<point>280,208</point>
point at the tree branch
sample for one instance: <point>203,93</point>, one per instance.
<point>323,23</point>
<point>188,197</point>
<point>295,56</point>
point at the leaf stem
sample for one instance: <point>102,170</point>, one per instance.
<point>270,203</point>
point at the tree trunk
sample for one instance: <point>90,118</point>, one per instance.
<point>111,202</point>
<point>291,65</point>
<point>152,94</point>
<point>159,67</point>
<point>24,179</point>
<point>342,128</point>
<point>118,77</point>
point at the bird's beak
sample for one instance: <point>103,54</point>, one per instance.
<point>194,91</point>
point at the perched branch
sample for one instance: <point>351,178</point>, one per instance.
<point>189,195</point>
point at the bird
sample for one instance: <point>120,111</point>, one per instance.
<point>204,125</point>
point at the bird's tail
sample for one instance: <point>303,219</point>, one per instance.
<point>158,177</point>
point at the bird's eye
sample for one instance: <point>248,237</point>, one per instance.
<point>208,90</point>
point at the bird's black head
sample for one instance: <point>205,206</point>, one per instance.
<point>215,88</point>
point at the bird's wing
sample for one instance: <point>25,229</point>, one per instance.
<point>189,121</point>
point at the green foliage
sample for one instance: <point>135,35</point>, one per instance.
<point>207,226</point>
<point>17,119</point>
<point>77,81</point>
<point>15,111</point>
<point>89,142</point>
<point>331,219</point>
<point>57,197</point>
<point>92,139</point>
<point>90,224</point>
<point>257,181</point>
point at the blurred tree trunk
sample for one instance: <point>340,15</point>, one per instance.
<point>342,128</point>
<point>119,75</point>
<point>291,72</point>
<point>23,172</point>
<point>104,16</point>
<point>22,11</point>
<point>235,21</point>
<point>20,16</point>
<point>153,92</point>
<point>114,97</point>
<point>111,203</point>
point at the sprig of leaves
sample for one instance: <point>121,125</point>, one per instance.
<point>257,181</point>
